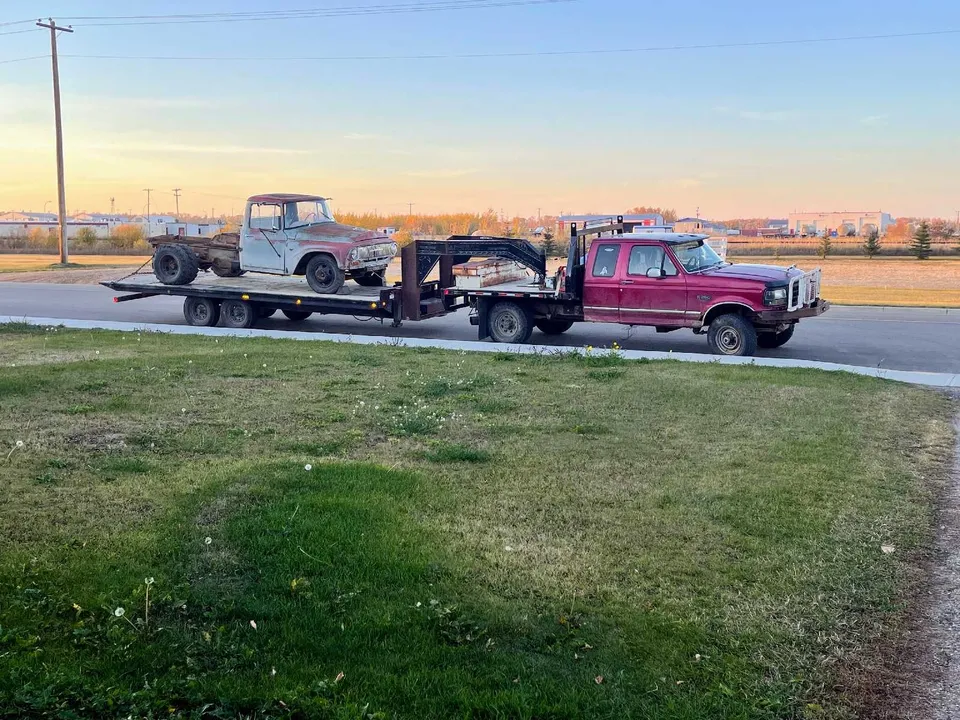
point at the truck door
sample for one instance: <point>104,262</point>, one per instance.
<point>601,287</point>
<point>652,290</point>
<point>263,243</point>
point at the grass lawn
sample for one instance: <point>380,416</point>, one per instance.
<point>476,536</point>
<point>30,263</point>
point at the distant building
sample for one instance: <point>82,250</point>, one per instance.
<point>388,231</point>
<point>699,225</point>
<point>193,229</point>
<point>841,223</point>
<point>22,224</point>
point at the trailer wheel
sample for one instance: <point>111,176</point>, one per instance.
<point>323,275</point>
<point>768,341</point>
<point>370,279</point>
<point>510,323</point>
<point>220,272</point>
<point>201,312</point>
<point>238,314</point>
<point>297,315</point>
<point>732,335</point>
<point>175,265</point>
<point>554,327</point>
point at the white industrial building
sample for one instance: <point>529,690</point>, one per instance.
<point>842,223</point>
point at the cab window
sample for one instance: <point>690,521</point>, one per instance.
<point>605,261</point>
<point>264,216</point>
<point>647,257</point>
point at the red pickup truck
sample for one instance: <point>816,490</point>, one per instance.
<point>666,280</point>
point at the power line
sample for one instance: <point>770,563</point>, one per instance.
<point>18,32</point>
<point>24,59</point>
<point>523,54</point>
<point>346,11</point>
<point>17,22</point>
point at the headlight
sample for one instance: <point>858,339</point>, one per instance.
<point>353,254</point>
<point>775,296</point>
<point>393,248</point>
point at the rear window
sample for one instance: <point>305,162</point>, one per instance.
<point>605,261</point>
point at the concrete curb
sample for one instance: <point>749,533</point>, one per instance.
<point>928,379</point>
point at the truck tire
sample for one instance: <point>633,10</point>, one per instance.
<point>769,341</point>
<point>732,335</point>
<point>201,312</point>
<point>220,272</point>
<point>370,280</point>
<point>175,265</point>
<point>238,314</point>
<point>296,315</point>
<point>323,275</point>
<point>510,323</point>
<point>554,327</point>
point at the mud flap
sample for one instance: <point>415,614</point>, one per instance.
<point>483,321</point>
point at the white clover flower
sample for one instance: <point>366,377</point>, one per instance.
<point>308,467</point>
<point>19,443</point>
<point>148,581</point>
<point>119,612</point>
<point>207,540</point>
<point>253,624</point>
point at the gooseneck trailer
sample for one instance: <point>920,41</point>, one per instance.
<point>665,280</point>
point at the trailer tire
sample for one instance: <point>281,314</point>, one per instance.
<point>554,327</point>
<point>769,341</point>
<point>201,312</point>
<point>324,275</point>
<point>175,265</point>
<point>220,272</point>
<point>732,334</point>
<point>370,279</point>
<point>238,314</point>
<point>296,315</point>
<point>510,323</point>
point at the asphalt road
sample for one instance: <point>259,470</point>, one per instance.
<point>923,339</point>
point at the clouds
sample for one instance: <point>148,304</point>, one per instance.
<point>875,120</point>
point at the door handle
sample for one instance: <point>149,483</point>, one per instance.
<point>626,282</point>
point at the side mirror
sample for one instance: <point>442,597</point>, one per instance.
<point>656,273</point>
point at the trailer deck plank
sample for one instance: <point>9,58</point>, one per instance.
<point>251,283</point>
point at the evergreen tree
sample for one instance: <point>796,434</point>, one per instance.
<point>825,245</point>
<point>921,242</point>
<point>872,246</point>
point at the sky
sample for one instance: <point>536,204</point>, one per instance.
<point>734,131</point>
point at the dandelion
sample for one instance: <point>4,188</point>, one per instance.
<point>598,679</point>
<point>19,443</point>
<point>207,540</point>
<point>119,612</point>
<point>183,410</point>
<point>339,677</point>
<point>308,467</point>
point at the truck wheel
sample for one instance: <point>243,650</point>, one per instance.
<point>370,280</point>
<point>732,335</point>
<point>201,312</point>
<point>323,275</point>
<point>768,341</point>
<point>175,265</point>
<point>297,315</point>
<point>221,272</point>
<point>554,327</point>
<point>509,323</point>
<point>238,314</point>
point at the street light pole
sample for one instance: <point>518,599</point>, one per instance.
<point>61,192</point>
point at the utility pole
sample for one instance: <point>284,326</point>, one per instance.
<point>410,208</point>
<point>176,194</point>
<point>61,192</point>
<point>148,191</point>
<point>113,203</point>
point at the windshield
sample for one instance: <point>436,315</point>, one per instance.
<point>696,256</point>
<point>303,213</point>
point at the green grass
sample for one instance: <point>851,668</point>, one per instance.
<point>472,538</point>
